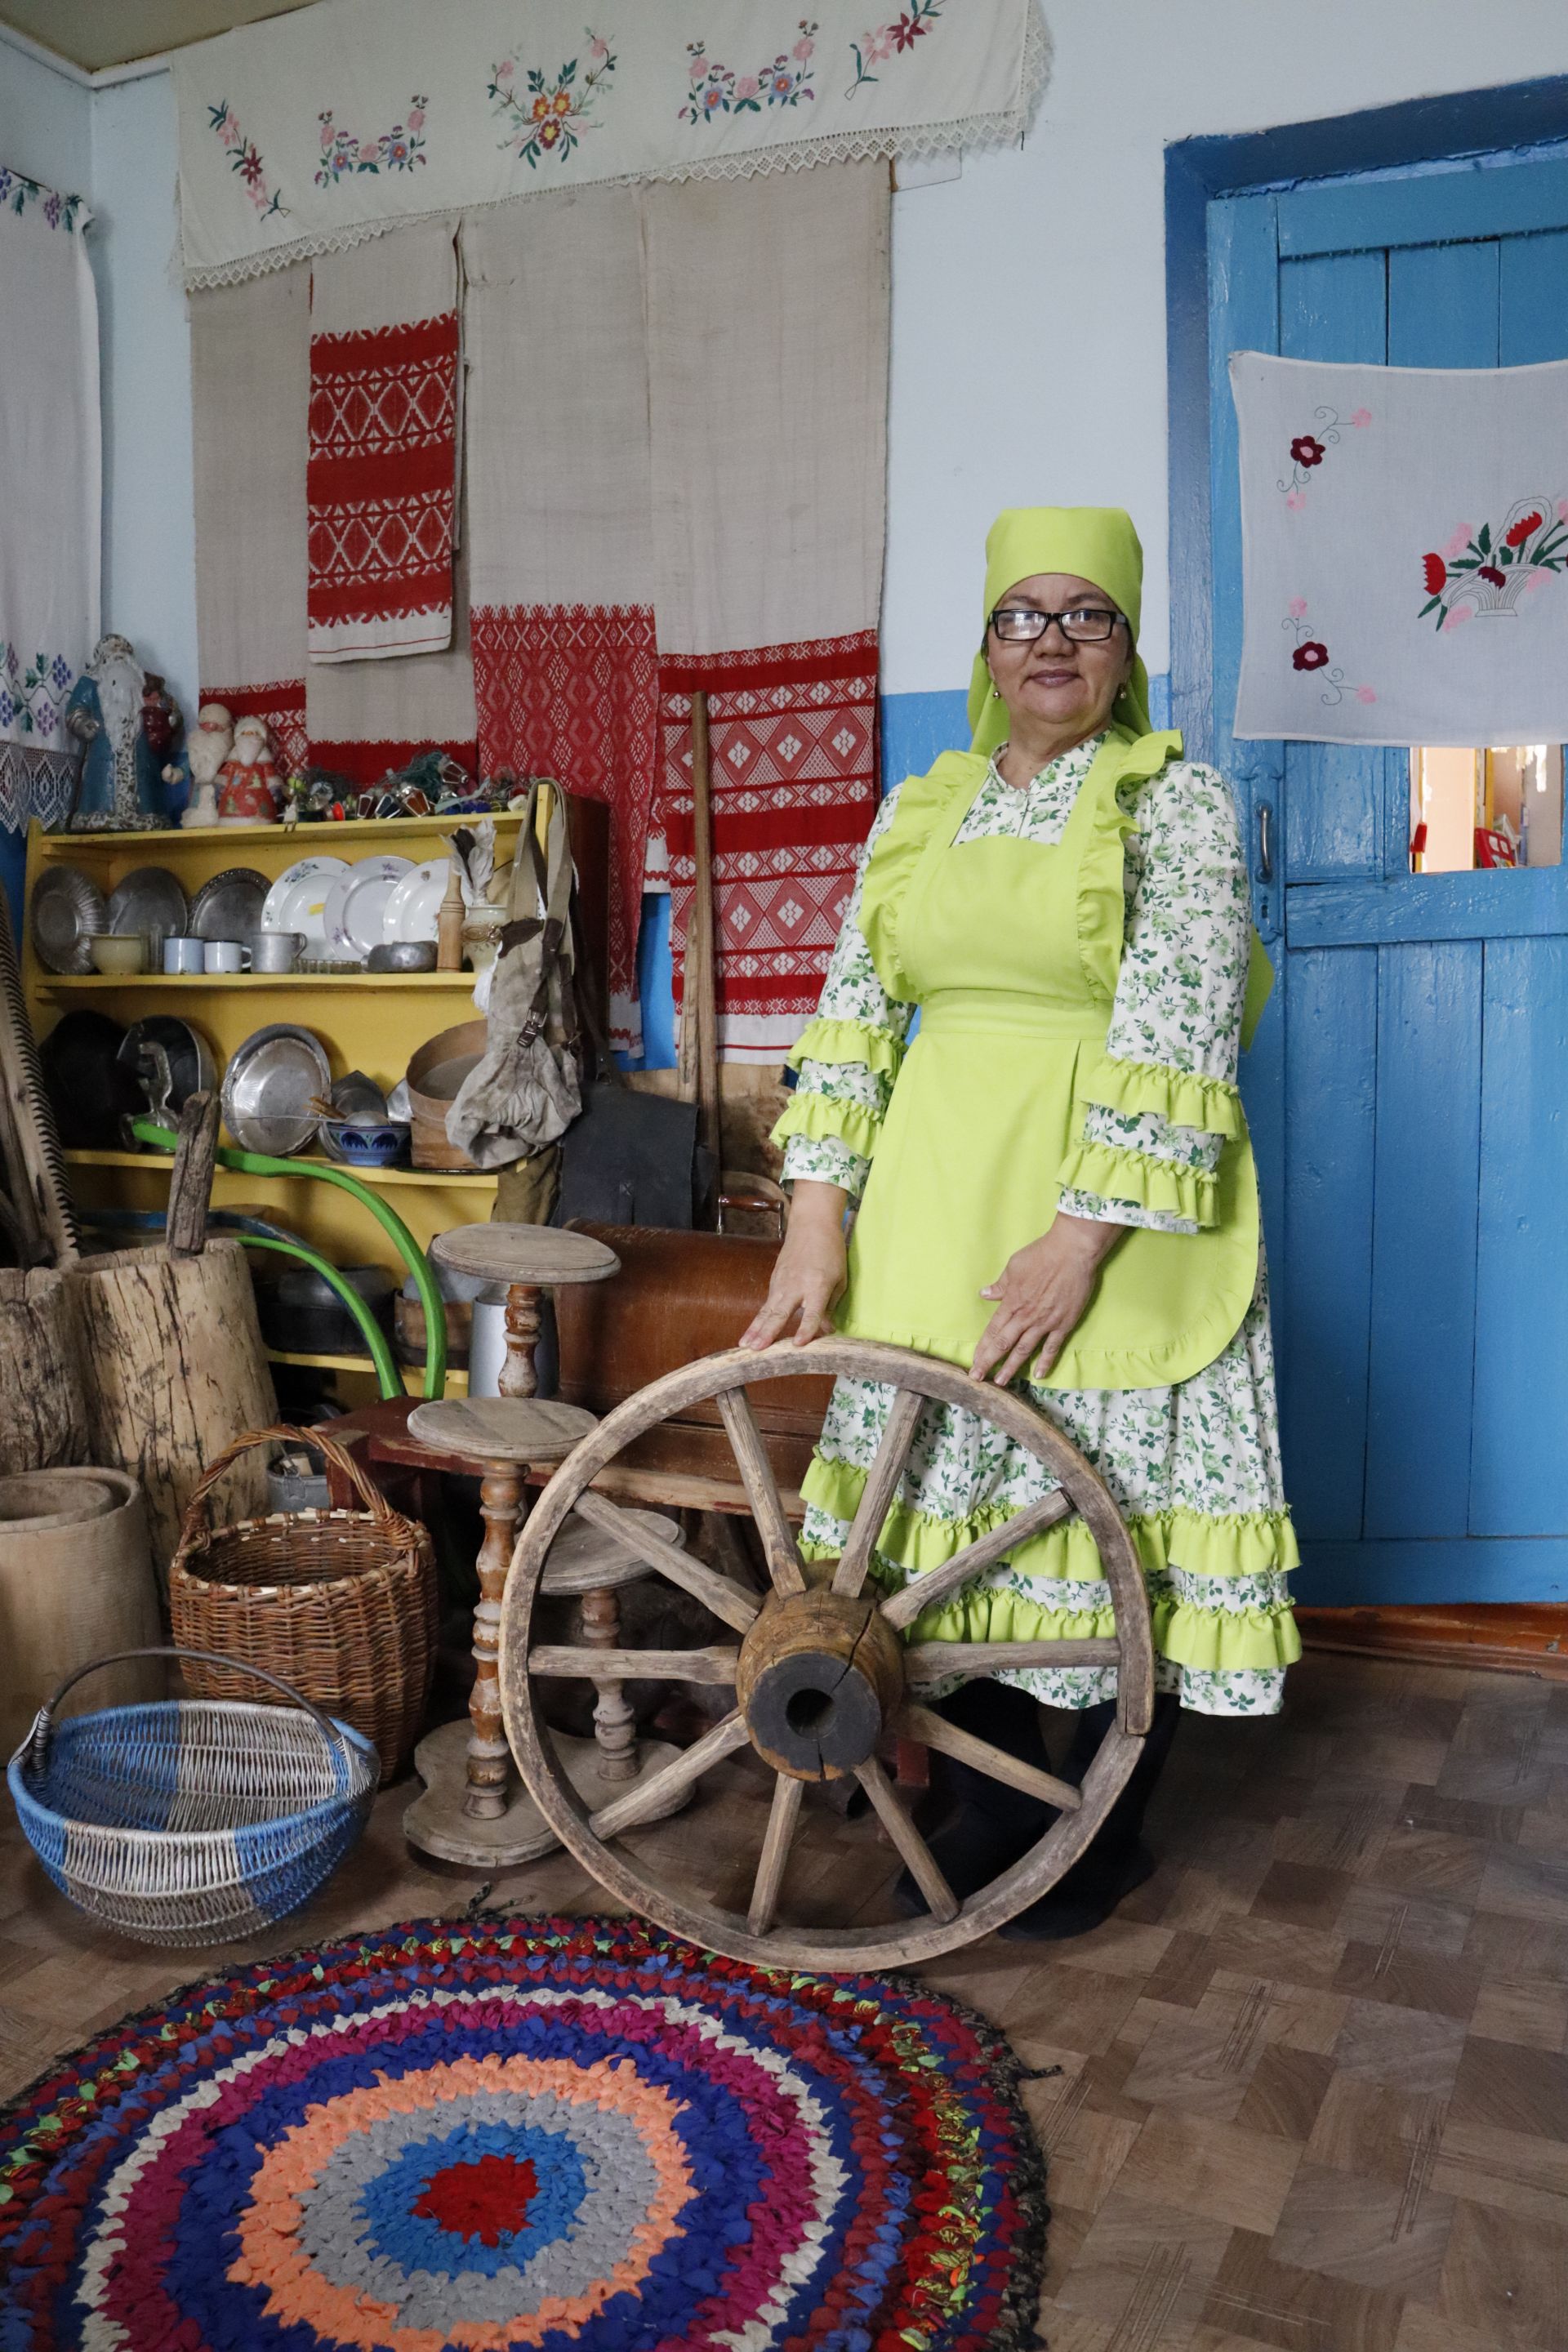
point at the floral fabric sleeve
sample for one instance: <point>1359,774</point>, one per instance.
<point>1162,1098</point>
<point>847,1059</point>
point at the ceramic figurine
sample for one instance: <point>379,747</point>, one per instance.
<point>119,787</point>
<point>206,749</point>
<point>249,789</point>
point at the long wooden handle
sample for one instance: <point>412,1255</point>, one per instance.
<point>191,1185</point>
<point>700,931</point>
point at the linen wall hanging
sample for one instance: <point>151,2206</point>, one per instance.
<point>305,134</point>
<point>768,309</point>
<point>1405,536</point>
<point>250,360</point>
<point>384,475</point>
<point>565,661</point>
<point>50,475</point>
<point>383,432</point>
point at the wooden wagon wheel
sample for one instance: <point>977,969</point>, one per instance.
<point>821,1670</point>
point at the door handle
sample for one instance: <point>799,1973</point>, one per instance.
<point>1265,842</point>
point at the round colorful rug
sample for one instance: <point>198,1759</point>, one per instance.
<point>578,2136</point>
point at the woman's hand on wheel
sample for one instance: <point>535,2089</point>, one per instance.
<point>1041,1295</point>
<point>809,1271</point>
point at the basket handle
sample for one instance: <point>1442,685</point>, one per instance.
<point>198,1520</point>
<point>36,1744</point>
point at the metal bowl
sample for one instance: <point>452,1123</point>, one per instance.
<point>269,1086</point>
<point>402,955</point>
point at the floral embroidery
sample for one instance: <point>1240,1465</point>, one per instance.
<point>18,192</point>
<point>397,150</point>
<point>1308,451</point>
<point>244,157</point>
<point>1312,655</point>
<point>32,691</point>
<point>892,39</point>
<point>1478,571</point>
<point>550,118</point>
<point>720,90</point>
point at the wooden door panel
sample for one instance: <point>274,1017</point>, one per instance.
<point>1325,1279</point>
<point>1421,1364</point>
<point>1532,299</point>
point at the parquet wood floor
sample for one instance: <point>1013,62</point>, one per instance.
<point>1313,2080</point>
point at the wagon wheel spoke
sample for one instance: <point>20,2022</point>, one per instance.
<point>915,1722</point>
<point>761,1489</point>
<point>652,1796</point>
<point>935,1662</point>
<point>716,1592</point>
<point>781,1818</point>
<point>717,1665</point>
<point>936,1584</point>
<point>881,1486</point>
<point>916,1855</point>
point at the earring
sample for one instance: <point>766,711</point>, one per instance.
<point>995,691</point>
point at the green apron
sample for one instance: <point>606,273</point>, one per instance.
<point>1011,949</point>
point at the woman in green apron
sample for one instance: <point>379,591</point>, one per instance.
<point>1054,1189</point>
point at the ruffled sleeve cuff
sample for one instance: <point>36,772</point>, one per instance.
<point>1179,1097</point>
<point>819,1116</point>
<point>1116,1173</point>
<point>848,1041</point>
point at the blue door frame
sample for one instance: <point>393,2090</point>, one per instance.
<point>1218,259</point>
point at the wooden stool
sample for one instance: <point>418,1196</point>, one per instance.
<point>527,1259</point>
<point>471,1811</point>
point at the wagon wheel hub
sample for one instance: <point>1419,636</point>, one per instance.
<point>820,1677</point>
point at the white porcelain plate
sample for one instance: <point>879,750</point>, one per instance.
<point>297,900</point>
<point>414,904</point>
<point>356,904</point>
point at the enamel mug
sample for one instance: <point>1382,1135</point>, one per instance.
<point>182,955</point>
<point>225,955</point>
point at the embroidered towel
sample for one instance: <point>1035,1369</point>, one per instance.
<point>49,491</point>
<point>1404,538</point>
<point>383,445</point>
<point>564,659</point>
<point>305,134</point>
<point>767,306</point>
<point>250,352</point>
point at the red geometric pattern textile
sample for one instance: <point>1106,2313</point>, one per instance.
<point>571,691</point>
<point>793,731</point>
<point>366,763</point>
<point>282,704</point>
<point>380,480</point>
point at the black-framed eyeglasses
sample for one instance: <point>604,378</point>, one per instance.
<point>1084,625</point>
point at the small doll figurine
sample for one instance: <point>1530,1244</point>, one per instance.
<point>249,789</point>
<point>206,748</point>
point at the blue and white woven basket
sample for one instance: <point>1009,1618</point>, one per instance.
<point>192,1820</point>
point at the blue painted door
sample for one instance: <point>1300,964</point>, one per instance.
<point>1408,1089</point>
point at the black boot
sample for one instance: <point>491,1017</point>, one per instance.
<point>993,1826</point>
<point>1086,1894</point>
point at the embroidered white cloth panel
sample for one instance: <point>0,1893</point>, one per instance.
<point>313,130</point>
<point>1404,538</point>
<point>50,476</point>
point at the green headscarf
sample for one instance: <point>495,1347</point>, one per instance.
<point>1096,544</point>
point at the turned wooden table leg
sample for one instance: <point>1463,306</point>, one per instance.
<point>489,1758</point>
<point>518,1376</point>
<point>615,1725</point>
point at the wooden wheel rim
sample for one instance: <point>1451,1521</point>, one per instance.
<point>706,1924</point>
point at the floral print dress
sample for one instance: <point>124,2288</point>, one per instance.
<point>1194,1467</point>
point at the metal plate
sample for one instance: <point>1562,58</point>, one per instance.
<point>269,1086</point>
<point>229,906</point>
<point>67,914</point>
<point>149,900</point>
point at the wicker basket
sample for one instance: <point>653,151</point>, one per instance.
<point>342,1604</point>
<point>190,1820</point>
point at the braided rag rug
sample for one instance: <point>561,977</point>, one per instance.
<point>578,2136</point>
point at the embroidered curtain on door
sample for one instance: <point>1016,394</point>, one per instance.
<point>50,490</point>
<point>1404,540</point>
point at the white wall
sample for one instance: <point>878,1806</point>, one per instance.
<point>46,124</point>
<point>1028,296</point>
